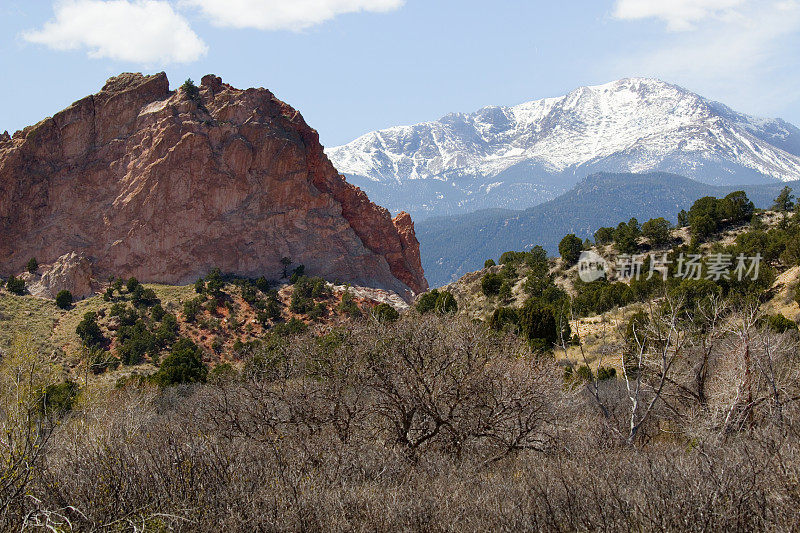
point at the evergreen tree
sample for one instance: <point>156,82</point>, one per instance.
<point>570,249</point>
<point>184,364</point>
<point>64,299</point>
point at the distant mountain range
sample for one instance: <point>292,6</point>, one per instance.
<point>454,245</point>
<point>517,157</point>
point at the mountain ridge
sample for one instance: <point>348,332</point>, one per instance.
<point>454,245</point>
<point>519,156</point>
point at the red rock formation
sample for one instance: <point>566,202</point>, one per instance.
<point>150,183</point>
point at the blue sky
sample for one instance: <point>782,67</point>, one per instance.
<point>352,66</point>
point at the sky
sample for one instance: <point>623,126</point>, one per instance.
<point>353,66</point>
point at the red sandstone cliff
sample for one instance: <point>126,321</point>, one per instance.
<point>146,182</point>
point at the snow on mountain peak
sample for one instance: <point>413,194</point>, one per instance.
<point>631,124</point>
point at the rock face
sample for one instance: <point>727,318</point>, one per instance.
<point>156,184</point>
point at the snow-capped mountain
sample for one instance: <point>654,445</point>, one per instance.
<point>517,157</point>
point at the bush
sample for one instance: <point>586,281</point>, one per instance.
<point>15,286</point>
<point>134,342</point>
<point>489,263</point>
<point>584,373</point>
<point>89,332</point>
<point>537,324</point>
<point>319,311</point>
<point>785,201</point>
<point>191,308</point>
<point>491,283</point>
<point>300,304</point>
<point>604,373</point>
<point>427,301</point>
<point>64,299</point>
<point>144,297</point>
<point>604,236</point>
<point>184,364</point>
<point>157,313</point>
<point>263,284</point>
<point>167,331</point>
<point>657,231</point>
<point>132,284</point>
<point>285,263</point>
<point>504,318</point>
<point>33,265</point>
<point>737,208</point>
<point>626,237</point>
<point>705,217</point>
<point>224,372</point>
<point>446,303</point>
<point>385,313</point>
<point>348,305</point>
<point>298,273</point>
<point>292,327</point>
<point>58,399</point>
<point>780,324</point>
<point>506,291</point>
<point>191,90</point>
<point>570,249</point>
<point>214,283</point>
<point>509,272</point>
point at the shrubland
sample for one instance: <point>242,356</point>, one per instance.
<point>432,421</point>
<point>484,406</point>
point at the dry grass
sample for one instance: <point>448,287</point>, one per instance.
<point>27,315</point>
<point>783,301</point>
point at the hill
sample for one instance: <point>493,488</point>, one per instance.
<point>165,185</point>
<point>452,246</point>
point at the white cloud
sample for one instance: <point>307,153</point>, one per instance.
<point>140,31</point>
<point>284,14</point>
<point>745,58</point>
<point>680,15</point>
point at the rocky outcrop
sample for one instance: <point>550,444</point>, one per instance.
<point>160,185</point>
<point>71,272</point>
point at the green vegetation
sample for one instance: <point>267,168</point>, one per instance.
<point>348,305</point>
<point>89,332</point>
<point>64,299</point>
<point>184,364</point>
<point>657,231</point>
<point>15,286</point>
<point>58,399</point>
<point>780,324</point>
<point>286,263</point>
<point>604,236</point>
<point>570,249</point>
<point>708,214</point>
<point>537,324</point>
<point>437,301</point>
<point>33,265</point>
<point>384,313</point>
<point>490,283</point>
<point>784,203</point>
<point>626,237</point>
<point>191,90</point>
